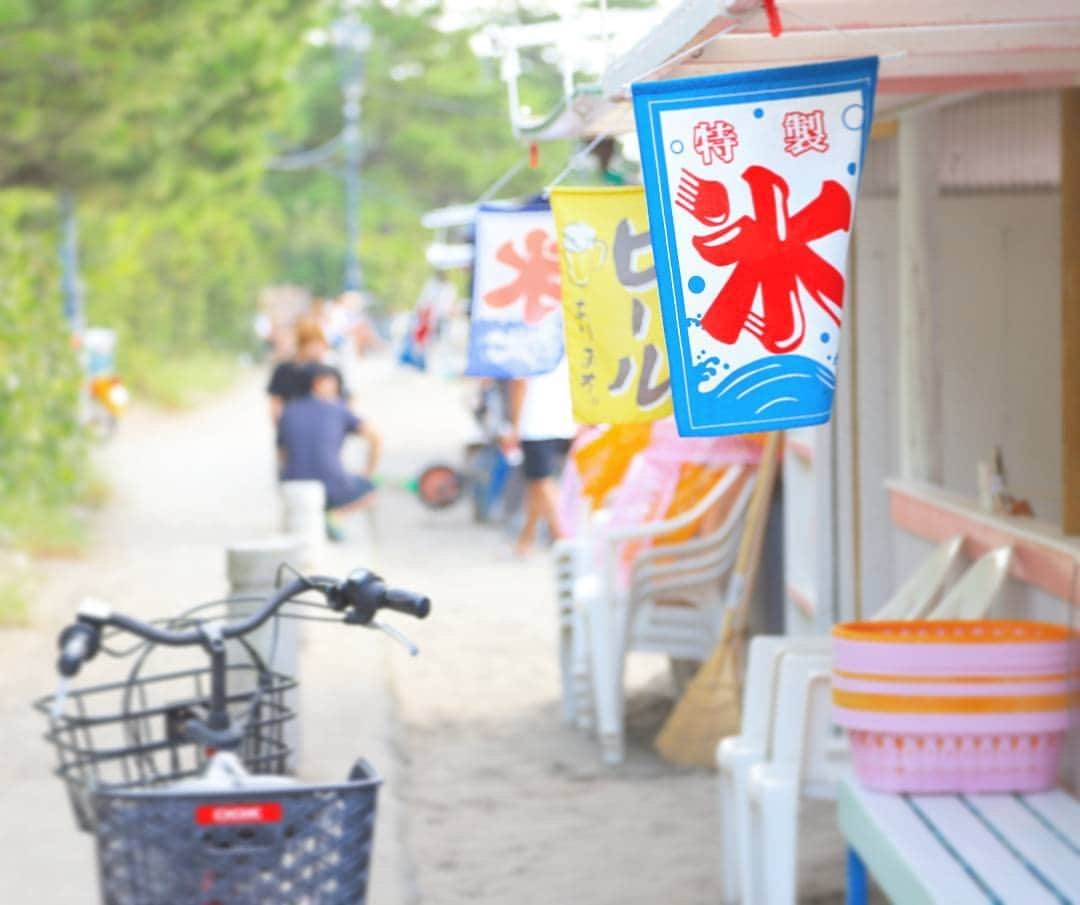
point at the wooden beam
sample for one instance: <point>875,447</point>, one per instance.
<point>1021,67</point>
<point>919,41</point>
<point>1070,307</point>
<point>920,377</point>
<point>884,128</point>
<point>852,15</point>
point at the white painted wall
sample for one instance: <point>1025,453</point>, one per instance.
<point>1000,300</point>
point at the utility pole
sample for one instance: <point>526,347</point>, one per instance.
<point>70,283</point>
<point>351,38</point>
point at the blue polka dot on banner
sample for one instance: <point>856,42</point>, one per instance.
<point>758,113</point>
<point>696,285</point>
<point>824,337</point>
<point>677,147</point>
<point>853,117</point>
<point>727,367</point>
<point>851,168</point>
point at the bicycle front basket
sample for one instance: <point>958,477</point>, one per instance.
<point>297,845</point>
<point>127,735</point>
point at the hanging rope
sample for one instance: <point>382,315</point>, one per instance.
<point>309,159</point>
<point>682,54</point>
<point>772,13</point>
<point>489,193</point>
<point>890,54</point>
<point>574,160</point>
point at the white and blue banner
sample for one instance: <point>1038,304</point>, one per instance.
<point>750,180</point>
<point>516,327</point>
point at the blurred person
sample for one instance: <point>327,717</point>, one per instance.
<point>341,319</point>
<point>542,425</point>
<point>292,378</point>
<point>310,435</point>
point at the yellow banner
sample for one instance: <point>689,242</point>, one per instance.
<point>611,310</point>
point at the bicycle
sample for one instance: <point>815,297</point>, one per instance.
<point>185,785</point>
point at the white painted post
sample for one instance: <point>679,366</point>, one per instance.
<point>303,515</point>
<point>252,568</point>
<point>921,450</point>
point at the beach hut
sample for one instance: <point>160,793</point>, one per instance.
<point>963,325</point>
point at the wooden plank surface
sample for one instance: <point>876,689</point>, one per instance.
<point>979,847</point>
<point>1046,850</point>
<point>1060,810</point>
<point>967,848</point>
<point>905,858</point>
<point>1070,307</point>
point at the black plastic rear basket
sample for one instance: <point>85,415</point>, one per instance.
<point>299,845</point>
<point>128,735</point>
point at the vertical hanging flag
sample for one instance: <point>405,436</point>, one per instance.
<point>750,180</point>
<point>611,311</point>
<point>516,326</point>
<point>436,300</point>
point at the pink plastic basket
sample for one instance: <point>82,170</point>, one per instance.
<point>951,707</point>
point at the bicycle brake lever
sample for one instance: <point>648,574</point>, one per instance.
<point>395,635</point>
<point>60,699</point>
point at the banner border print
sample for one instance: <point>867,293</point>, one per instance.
<point>650,99</point>
<point>527,206</point>
<point>635,192</point>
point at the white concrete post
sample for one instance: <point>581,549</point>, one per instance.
<point>921,451</point>
<point>303,515</point>
<point>252,568</point>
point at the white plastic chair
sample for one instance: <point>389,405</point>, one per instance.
<point>673,605</point>
<point>801,762</point>
<point>735,755</point>
<point>973,595</point>
<point>772,788</point>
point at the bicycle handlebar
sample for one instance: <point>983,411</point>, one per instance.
<point>362,594</point>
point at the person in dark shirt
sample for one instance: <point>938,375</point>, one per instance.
<point>292,379</point>
<point>311,432</point>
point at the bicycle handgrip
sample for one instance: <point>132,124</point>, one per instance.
<point>74,651</point>
<point>406,602</point>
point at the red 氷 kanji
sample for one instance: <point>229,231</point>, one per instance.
<point>770,252</point>
<point>537,279</point>
<point>805,132</point>
<point>715,140</point>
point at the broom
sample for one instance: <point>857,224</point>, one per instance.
<point>709,710</point>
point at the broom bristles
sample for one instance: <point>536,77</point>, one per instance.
<point>708,711</point>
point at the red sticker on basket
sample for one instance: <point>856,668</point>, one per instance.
<point>238,813</point>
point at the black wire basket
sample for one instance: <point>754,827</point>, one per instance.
<point>128,734</point>
<point>298,845</point>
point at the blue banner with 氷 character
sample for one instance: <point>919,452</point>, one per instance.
<point>750,180</point>
<point>516,325</point>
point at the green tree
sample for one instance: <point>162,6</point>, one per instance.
<point>436,132</point>
<point>96,94</point>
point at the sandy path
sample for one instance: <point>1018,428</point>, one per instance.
<point>503,803</point>
<point>500,802</point>
<point>183,486</point>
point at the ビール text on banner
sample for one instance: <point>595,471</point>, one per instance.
<point>611,311</point>
<point>516,326</point>
<point>750,180</point>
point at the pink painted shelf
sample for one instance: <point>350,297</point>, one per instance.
<point>1043,555</point>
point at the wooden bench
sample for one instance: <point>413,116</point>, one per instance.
<point>962,849</point>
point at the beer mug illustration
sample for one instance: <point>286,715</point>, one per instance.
<point>584,252</point>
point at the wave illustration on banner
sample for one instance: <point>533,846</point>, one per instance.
<point>781,386</point>
<point>751,180</point>
<point>516,328</point>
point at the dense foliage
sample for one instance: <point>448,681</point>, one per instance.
<point>163,119</point>
<point>41,450</point>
